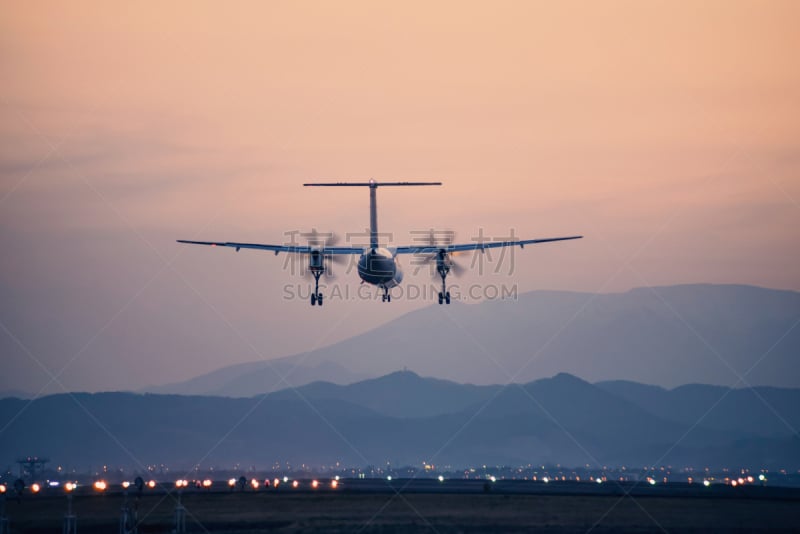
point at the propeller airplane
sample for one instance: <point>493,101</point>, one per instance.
<point>377,263</point>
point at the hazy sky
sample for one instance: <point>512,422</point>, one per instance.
<point>668,133</point>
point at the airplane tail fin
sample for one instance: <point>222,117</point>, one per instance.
<point>373,206</point>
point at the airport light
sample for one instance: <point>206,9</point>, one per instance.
<point>706,483</point>
<point>100,485</point>
<point>295,483</point>
<point>70,486</point>
<point>734,483</point>
<point>441,478</point>
<point>389,478</point>
<point>493,478</point>
<point>151,484</point>
<point>762,478</point>
<point>336,478</point>
<point>254,483</point>
<point>3,489</point>
<point>231,482</point>
<point>334,483</point>
<point>126,485</point>
<point>315,484</point>
<point>35,487</point>
<point>750,480</point>
<point>545,480</point>
<point>54,483</point>
<point>181,483</point>
<point>207,483</point>
<point>275,483</point>
<point>599,480</point>
<point>285,479</point>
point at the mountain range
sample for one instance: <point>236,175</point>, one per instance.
<point>727,335</point>
<point>405,419</point>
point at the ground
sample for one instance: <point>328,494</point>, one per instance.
<point>311,512</point>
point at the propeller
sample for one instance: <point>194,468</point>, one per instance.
<point>321,241</point>
<point>315,238</point>
<point>443,238</point>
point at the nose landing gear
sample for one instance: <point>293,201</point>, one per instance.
<point>386,297</point>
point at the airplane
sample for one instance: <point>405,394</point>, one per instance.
<point>377,264</point>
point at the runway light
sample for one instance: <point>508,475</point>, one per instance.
<point>493,478</point>
<point>441,478</point>
<point>69,486</point>
<point>336,478</point>
<point>54,483</point>
<point>35,487</point>
<point>334,484</point>
<point>275,483</point>
<point>750,480</point>
<point>545,480</point>
<point>599,480</point>
<point>740,481</point>
<point>181,483</point>
<point>295,483</point>
<point>151,484</point>
<point>652,481</point>
<point>207,483</point>
<point>315,484</point>
<point>100,485</point>
<point>761,477</point>
<point>254,483</point>
<point>734,483</point>
<point>231,482</point>
<point>126,485</point>
<point>706,483</point>
<point>389,478</point>
<point>285,480</point>
<point>2,488</point>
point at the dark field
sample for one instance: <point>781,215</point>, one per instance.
<point>343,511</point>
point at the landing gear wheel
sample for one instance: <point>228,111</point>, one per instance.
<point>319,298</point>
<point>441,297</point>
<point>388,298</point>
<point>314,299</point>
<point>446,298</point>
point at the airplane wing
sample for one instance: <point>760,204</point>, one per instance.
<point>430,249</point>
<point>291,249</point>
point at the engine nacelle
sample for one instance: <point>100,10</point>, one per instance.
<point>316,262</point>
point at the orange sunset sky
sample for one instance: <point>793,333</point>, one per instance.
<point>667,133</point>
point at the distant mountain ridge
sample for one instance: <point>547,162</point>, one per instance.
<point>252,378</point>
<point>405,419</point>
<point>668,336</point>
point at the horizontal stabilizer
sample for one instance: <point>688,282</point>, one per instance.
<point>371,183</point>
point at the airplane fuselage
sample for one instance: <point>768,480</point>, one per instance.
<point>377,266</point>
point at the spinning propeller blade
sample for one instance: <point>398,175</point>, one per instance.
<point>443,238</point>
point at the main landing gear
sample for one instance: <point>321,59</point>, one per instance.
<point>386,297</point>
<point>316,296</point>
<point>443,267</point>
